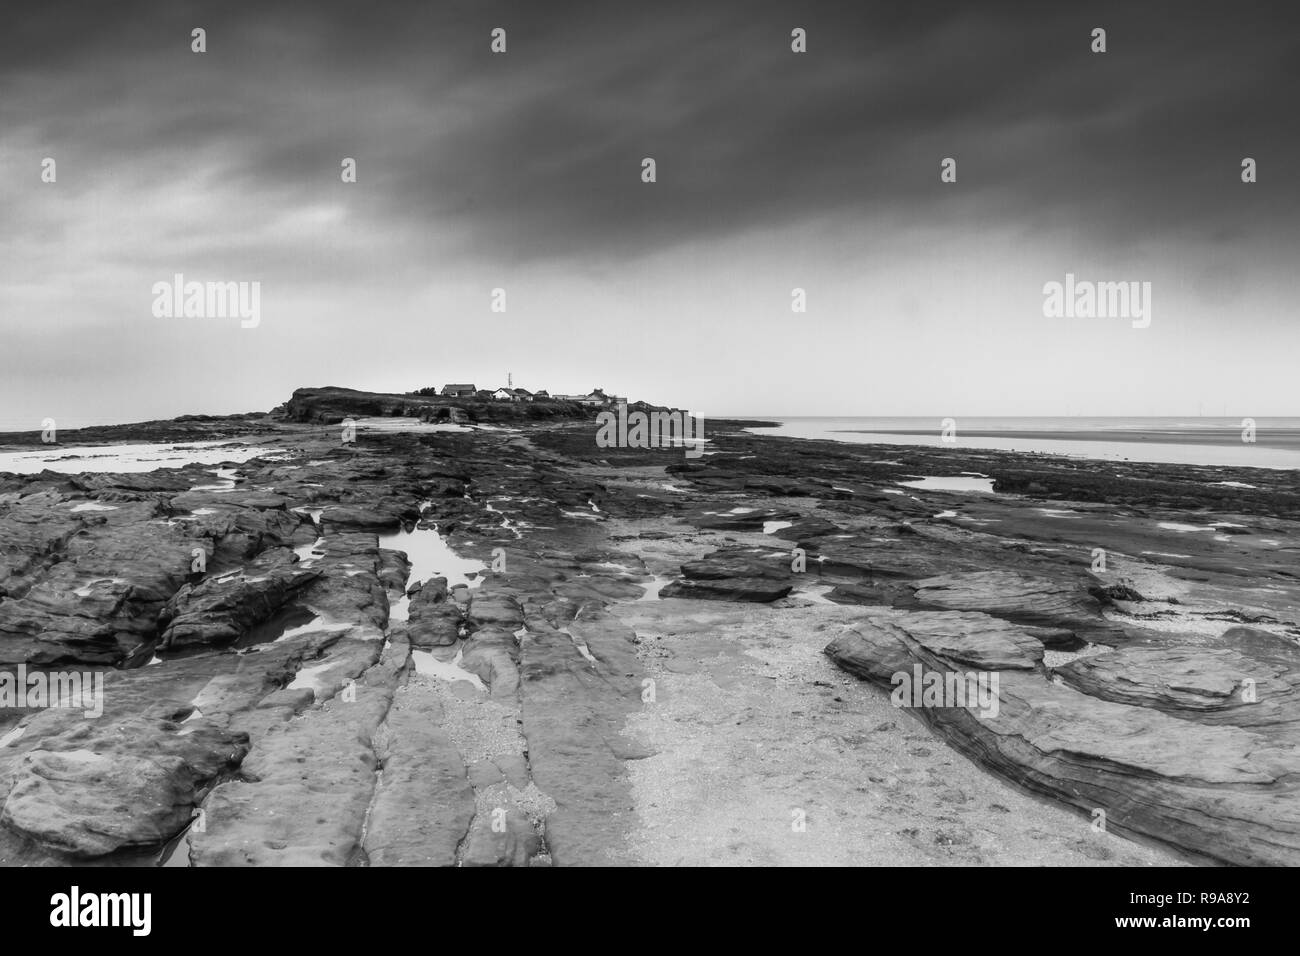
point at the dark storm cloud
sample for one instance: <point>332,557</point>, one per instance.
<point>537,153</point>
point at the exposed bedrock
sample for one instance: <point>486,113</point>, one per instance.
<point>219,610</point>
<point>488,724</point>
<point>1069,614</point>
<point>738,574</point>
<point>1139,749</point>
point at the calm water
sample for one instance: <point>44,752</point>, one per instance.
<point>76,459</point>
<point>1184,441</point>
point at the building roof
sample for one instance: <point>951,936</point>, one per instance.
<point>458,388</point>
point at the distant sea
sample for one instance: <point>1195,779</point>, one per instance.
<point>1180,441</point>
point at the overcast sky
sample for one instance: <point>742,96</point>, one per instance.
<point>775,170</point>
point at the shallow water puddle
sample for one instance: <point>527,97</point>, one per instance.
<point>506,523</point>
<point>654,587</point>
<point>225,481</point>
<point>428,665</point>
<point>582,647</point>
<point>135,458</point>
<point>430,557</point>
<point>815,594</point>
<point>307,678</point>
<point>1058,513</point>
<point>307,553</point>
<point>293,622</point>
<point>88,588</point>
<point>951,483</point>
<point>612,566</point>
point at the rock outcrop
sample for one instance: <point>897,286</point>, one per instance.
<point>734,575</point>
<point>220,610</point>
<point>1224,791</point>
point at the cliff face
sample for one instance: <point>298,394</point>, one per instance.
<point>331,404</point>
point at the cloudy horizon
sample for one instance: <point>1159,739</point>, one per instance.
<point>775,170</point>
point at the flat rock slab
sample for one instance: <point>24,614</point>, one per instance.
<point>58,801</point>
<point>308,785</point>
<point>1220,791</point>
<point>1023,598</point>
<point>424,804</point>
<point>735,574</point>
<point>1209,684</point>
<point>574,711</point>
<point>761,590</point>
<point>752,519</point>
<point>505,837</point>
<point>220,610</point>
<point>93,790</point>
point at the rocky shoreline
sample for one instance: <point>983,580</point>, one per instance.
<point>632,670</point>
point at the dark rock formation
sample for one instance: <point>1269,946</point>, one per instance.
<point>220,610</point>
<point>1069,613</point>
<point>734,575</point>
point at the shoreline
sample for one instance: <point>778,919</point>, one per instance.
<point>1269,438</point>
<point>1166,449</point>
